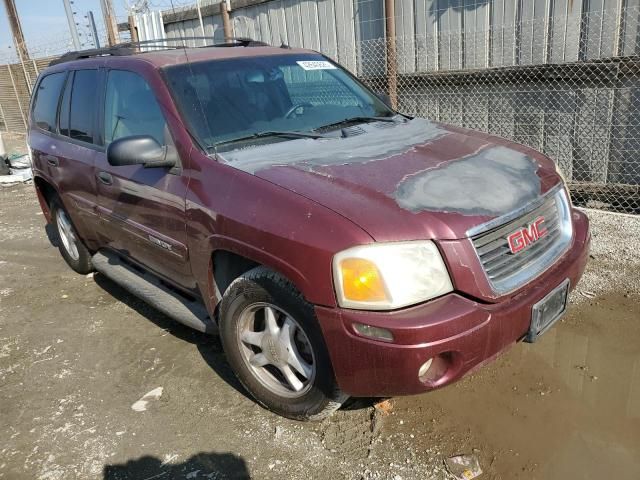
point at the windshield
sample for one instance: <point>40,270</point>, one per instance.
<point>233,99</point>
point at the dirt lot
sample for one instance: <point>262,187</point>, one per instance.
<point>76,353</point>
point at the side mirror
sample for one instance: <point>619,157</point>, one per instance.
<point>386,99</point>
<point>140,150</point>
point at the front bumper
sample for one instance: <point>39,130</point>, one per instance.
<point>464,333</point>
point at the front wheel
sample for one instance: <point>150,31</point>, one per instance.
<point>71,247</point>
<point>275,346</point>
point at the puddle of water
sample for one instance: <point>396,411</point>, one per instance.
<point>565,407</point>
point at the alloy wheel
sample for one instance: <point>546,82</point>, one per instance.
<point>67,235</point>
<point>276,349</point>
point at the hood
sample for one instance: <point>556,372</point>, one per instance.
<point>406,180</point>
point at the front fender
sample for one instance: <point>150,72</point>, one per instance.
<point>231,210</point>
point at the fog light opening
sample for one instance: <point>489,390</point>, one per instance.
<point>422,373</point>
<point>435,369</point>
<point>373,332</point>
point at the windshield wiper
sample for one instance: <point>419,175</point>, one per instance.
<point>269,133</point>
<point>357,120</point>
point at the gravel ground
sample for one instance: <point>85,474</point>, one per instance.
<point>613,236</point>
<point>78,354</point>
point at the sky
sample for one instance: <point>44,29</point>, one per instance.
<point>45,26</point>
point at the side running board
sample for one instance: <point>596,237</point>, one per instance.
<point>149,288</point>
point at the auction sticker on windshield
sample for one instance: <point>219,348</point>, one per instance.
<point>316,65</point>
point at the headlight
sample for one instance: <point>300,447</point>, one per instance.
<point>384,276</point>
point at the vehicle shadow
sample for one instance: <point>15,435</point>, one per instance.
<point>199,466</point>
<point>208,346</point>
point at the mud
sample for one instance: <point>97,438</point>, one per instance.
<point>77,353</point>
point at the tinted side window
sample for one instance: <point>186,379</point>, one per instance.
<point>46,104</point>
<point>131,108</point>
<point>63,117</point>
<point>77,117</point>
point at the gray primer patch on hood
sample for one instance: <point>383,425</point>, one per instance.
<point>495,181</point>
<point>374,144</point>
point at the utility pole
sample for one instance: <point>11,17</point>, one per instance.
<point>72,24</point>
<point>133,30</point>
<point>113,37</point>
<point>226,21</point>
<point>16,29</point>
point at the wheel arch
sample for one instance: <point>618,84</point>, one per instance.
<point>45,192</point>
<point>230,259</point>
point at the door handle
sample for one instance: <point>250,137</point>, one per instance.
<point>52,160</point>
<point>105,178</point>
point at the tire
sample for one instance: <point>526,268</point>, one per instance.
<point>250,307</point>
<point>69,243</point>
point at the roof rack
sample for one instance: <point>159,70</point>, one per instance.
<point>131,48</point>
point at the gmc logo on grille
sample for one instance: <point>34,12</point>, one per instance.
<point>521,239</point>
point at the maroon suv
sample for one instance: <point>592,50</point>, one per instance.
<point>339,247</point>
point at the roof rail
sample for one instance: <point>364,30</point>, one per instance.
<point>131,48</point>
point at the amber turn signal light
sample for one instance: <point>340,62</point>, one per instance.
<point>361,281</point>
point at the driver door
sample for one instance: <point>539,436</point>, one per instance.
<point>142,210</point>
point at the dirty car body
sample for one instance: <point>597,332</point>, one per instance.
<point>469,242</point>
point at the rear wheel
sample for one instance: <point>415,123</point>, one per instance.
<point>71,247</point>
<point>275,346</point>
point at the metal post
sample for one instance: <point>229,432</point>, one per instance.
<point>547,31</point>
<point>113,36</point>
<point>226,20</point>
<point>391,58</point>
<point>72,24</point>
<point>488,39</point>
<point>132,29</point>
<point>200,18</point>
<point>15,90</point>
<point>16,29</point>
<point>618,45</point>
<point>94,30</point>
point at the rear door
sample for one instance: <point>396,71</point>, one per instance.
<point>64,146</point>
<point>142,209</point>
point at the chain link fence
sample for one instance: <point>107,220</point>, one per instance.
<point>583,113</point>
<point>564,82</point>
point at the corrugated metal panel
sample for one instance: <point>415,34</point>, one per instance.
<point>533,23</point>
<point>427,40</point>
<point>326,28</point>
<point>450,30</point>
<point>503,32</point>
<point>370,43</point>
<point>405,36</point>
<point>630,28</point>
<point>191,28</point>
<point>326,25</point>
<point>440,34</point>
<point>150,27</point>
<point>566,20</point>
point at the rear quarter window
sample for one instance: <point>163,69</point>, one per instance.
<point>45,106</point>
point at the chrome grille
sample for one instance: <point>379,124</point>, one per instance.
<point>507,271</point>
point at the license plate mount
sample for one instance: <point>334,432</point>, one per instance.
<point>548,311</point>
